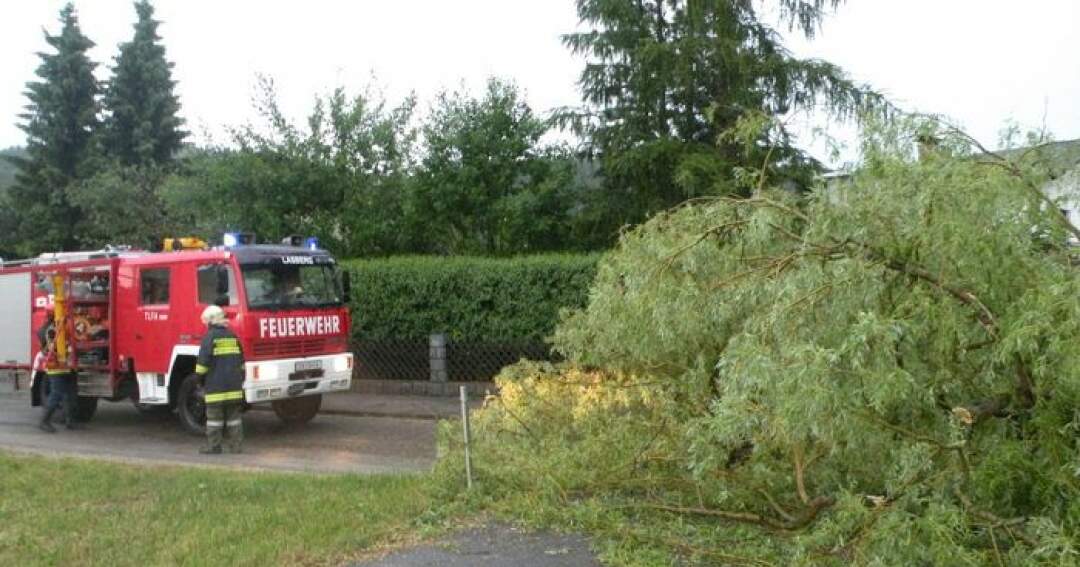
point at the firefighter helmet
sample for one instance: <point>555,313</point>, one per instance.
<point>213,315</point>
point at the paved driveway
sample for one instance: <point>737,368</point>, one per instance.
<point>494,545</point>
<point>329,444</point>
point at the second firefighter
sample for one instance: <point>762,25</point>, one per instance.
<point>221,364</point>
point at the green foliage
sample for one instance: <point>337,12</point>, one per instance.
<point>82,183</point>
<point>141,126</point>
<point>342,178</point>
<point>8,218</point>
<point>351,176</point>
<point>665,78</point>
<point>486,184</point>
<point>7,167</point>
<point>59,122</point>
<point>481,299</point>
<point>819,381</point>
<point>552,442</point>
<point>122,205</point>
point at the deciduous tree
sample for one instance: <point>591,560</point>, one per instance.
<point>486,182</point>
<point>341,177</point>
<point>121,205</point>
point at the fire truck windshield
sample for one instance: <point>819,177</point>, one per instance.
<point>284,286</point>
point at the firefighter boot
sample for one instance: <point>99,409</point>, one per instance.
<point>234,429</point>
<point>45,425</point>
<point>215,424</point>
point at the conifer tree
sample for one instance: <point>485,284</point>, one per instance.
<point>60,124</point>
<point>141,125</point>
<point>665,78</point>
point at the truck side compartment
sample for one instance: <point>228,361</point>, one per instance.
<point>15,312</point>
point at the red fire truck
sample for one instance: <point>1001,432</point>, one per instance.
<point>132,320</point>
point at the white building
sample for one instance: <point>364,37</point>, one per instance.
<point>1062,160</point>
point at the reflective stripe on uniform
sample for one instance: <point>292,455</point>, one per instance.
<point>200,369</point>
<point>224,396</point>
<point>57,372</point>
<point>234,423</point>
<point>226,345</point>
<point>214,423</point>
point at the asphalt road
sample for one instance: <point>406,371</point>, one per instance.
<point>328,444</point>
<point>494,546</point>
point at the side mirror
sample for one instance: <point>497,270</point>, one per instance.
<point>346,286</point>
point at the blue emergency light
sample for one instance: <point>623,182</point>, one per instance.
<point>234,239</point>
<point>311,243</point>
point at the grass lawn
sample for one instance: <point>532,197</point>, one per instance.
<point>77,512</point>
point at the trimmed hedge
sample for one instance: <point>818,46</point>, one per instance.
<point>469,298</point>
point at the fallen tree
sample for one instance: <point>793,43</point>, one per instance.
<point>884,372</point>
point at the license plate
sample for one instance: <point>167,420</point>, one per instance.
<point>308,365</point>
<point>295,389</point>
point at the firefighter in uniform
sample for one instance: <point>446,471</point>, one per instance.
<point>221,364</point>
<point>62,386</point>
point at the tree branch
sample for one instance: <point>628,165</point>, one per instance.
<point>776,507</point>
<point>719,229</point>
<point>800,483</point>
<point>999,160</point>
<point>1012,525</point>
<point>805,518</point>
<point>983,313</point>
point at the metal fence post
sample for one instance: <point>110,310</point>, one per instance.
<point>465,427</point>
<point>437,357</point>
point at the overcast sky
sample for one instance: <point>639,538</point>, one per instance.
<point>982,62</point>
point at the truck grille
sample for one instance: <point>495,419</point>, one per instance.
<point>290,347</point>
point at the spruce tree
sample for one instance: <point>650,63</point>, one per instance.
<point>141,125</point>
<point>60,122</point>
<point>664,79</point>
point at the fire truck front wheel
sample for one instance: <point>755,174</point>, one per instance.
<point>191,405</point>
<point>298,410</point>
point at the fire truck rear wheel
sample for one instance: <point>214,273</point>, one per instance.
<point>191,405</point>
<point>85,407</point>
<point>298,410</point>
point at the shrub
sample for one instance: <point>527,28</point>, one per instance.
<point>474,299</point>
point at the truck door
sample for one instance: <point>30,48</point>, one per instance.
<point>154,334</point>
<point>203,284</point>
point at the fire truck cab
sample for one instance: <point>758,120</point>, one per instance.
<point>133,319</point>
